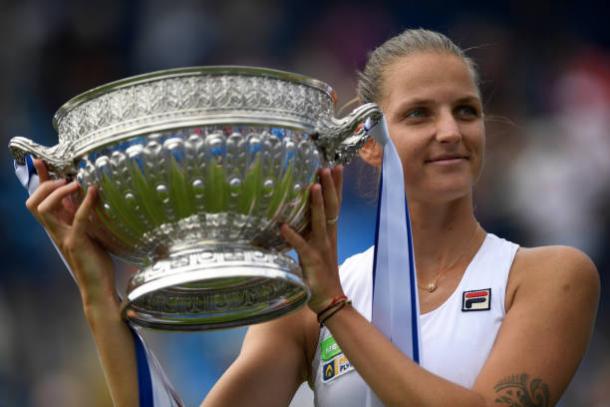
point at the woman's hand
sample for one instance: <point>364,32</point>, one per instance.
<point>318,250</point>
<point>52,205</point>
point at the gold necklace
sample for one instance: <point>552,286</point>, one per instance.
<point>432,286</point>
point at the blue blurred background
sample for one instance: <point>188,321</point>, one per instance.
<point>546,83</point>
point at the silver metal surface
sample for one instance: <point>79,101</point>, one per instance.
<point>196,169</point>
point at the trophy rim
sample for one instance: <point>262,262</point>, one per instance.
<point>90,94</point>
<point>172,321</point>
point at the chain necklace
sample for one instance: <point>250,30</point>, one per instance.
<point>433,285</point>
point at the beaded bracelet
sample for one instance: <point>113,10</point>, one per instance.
<point>338,308</point>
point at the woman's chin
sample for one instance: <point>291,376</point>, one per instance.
<point>445,193</point>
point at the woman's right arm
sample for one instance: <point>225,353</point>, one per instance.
<point>115,346</point>
<point>271,366</point>
<point>93,269</point>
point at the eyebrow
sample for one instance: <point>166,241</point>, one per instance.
<point>469,99</point>
<point>423,101</point>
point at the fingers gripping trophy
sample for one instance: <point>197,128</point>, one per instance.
<point>188,174</point>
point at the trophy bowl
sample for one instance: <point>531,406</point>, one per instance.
<point>196,168</point>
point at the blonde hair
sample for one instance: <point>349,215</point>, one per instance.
<point>409,42</point>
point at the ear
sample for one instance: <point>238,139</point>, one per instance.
<point>371,153</point>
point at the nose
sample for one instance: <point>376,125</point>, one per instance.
<point>447,128</point>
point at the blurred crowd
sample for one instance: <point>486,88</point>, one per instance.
<point>546,84</point>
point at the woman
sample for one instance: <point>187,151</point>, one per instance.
<point>537,306</point>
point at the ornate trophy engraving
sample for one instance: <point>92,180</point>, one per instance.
<point>196,168</point>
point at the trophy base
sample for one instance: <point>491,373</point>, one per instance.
<point>214,286</point>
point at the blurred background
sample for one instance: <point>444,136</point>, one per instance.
<point>546,82</point>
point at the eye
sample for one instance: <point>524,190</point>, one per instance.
<point>417,113</point>
<point>467,112</point>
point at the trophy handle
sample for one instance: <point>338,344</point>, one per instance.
<point>342,138</point>
<point>20,147</point>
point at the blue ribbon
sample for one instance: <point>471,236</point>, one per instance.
<point>27,175</point>
<point>145,387</point>
<point>395,307</point>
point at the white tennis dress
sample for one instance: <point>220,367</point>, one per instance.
<point>456,337</point>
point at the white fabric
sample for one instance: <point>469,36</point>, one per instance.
<point>455,344</point>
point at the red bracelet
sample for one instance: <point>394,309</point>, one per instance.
<point>333,302</point>
<point>322,320</point>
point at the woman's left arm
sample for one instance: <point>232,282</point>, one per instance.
<point>553,295</point>
<point>551,308</point>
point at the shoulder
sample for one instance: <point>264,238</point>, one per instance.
<point>552,270</point>
<point>561,262</point>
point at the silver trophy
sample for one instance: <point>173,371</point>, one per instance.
<point>196,169</point>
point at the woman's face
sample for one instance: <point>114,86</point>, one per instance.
<point>434,115</point>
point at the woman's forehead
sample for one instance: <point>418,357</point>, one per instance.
<point>428,74</point>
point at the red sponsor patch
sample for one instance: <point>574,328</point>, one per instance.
<point>476,300</point>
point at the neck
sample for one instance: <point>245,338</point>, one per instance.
<point>444,235</point>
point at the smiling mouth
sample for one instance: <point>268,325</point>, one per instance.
<point>447,159</point>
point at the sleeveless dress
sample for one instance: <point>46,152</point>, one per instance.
<point>456,337</point>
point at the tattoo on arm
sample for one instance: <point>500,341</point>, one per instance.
<point>519,391</point>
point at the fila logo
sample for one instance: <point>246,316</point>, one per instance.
<point>476,300</point>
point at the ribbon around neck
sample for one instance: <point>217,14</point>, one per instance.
<point>395,305</point>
